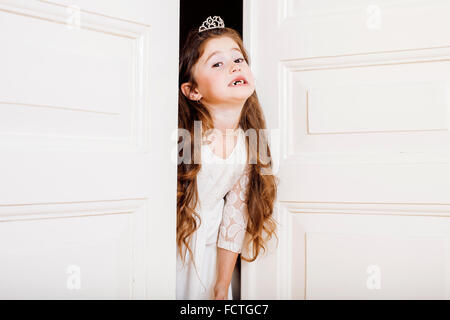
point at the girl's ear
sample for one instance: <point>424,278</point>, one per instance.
<point>194,95</point>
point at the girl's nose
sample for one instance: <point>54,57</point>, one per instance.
<point>235,67</point>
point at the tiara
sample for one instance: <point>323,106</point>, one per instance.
<point>212,23</point>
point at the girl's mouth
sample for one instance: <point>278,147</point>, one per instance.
<point>238,83</point>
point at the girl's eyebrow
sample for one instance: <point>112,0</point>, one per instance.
<point>215,52</point>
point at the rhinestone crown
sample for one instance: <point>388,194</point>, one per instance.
<point>212,23</point>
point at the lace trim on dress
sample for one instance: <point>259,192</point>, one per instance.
<point>235,217</point>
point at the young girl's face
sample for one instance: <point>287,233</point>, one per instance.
<point>221,64</point>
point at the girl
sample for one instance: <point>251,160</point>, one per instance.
<point>227,195</point>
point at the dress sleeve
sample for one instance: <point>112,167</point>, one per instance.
<point>234,217</point>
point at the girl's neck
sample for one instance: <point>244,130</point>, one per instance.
<point>226,119</point>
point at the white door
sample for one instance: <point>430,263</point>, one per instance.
<point>360,90</point>
<point>88,105</point>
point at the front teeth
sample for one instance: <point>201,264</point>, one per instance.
<point>238,82</point>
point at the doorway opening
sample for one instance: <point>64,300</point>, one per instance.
<point>192,15</point>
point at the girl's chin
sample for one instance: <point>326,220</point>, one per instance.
<point>244,96</point>
<point>242,92</point>
<point>235,96</point>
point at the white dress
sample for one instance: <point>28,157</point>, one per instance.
<point>221,185</point>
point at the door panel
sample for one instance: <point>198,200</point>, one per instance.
<point>361,95</point>
<point>88,105</point>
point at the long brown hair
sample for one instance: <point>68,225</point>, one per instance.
<point>262,188</point>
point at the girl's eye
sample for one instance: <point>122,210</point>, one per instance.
<point>238,60</point>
